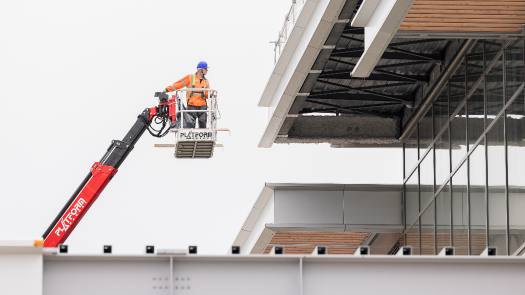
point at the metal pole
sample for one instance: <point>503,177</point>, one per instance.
<point>404,216</point>
<point>300,275</point>
<point>285,28</point>
<point>182,112</point>
<point>485,110</point>
<point>171,275</point>
<point>450,166</point>
<point>419,191</point>
<point>434,184</point>
<point>468,158</point>
<point>507,233</point>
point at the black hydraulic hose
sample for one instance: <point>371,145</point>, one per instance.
<point>75,194</point>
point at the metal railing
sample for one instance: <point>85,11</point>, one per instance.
<point>212,106</point>
<point>289,22</point>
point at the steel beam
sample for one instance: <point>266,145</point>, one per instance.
<point>278,274</point>
<point>364,91</point>
<point>349,108</point>
<point>350,112</point>
<point>381,76</point>
<point>359,97</point>
<point>354,31</point>
<point>411,63</point>
<point>392,45</point>
<point>388,55</point>
<point>415,42</point>
<point>394,76</point>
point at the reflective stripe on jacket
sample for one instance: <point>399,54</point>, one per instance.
<point>193,98</point>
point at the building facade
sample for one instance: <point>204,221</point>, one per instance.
<point>444,81</point>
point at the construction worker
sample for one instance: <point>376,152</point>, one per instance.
<point>195,100</point>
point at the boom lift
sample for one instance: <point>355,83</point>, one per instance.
<point>190,143</point>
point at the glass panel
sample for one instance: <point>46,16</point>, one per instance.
<point>412,239</point>
<point>400,242</point>
<point>475,63</point>
<point>426,175</point>
<point>441,110</point>
<point>476,115</point>
<point>460,211</point>
<point>514,66</point>
<point>427,232</point>
<point>411,199</point>
<point>385,243</point>
<point>478,208</point>
<point>457,86</point>
<point>475,110</point>
<point>443,218</point>
<point>494,91</point>
<point>425,132</point>
<point>459,137</point>
<point>442,159</point>
<point>411,156</point>
<point>497,207</point>
<point>492,47</point>
<point>516,164</point>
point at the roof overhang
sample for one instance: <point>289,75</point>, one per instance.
<point>307,39</point>
<point>339,208</point>
<point>318,93</point>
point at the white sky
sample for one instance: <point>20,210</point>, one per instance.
<point>75,75</point>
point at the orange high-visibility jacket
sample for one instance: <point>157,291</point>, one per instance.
<point>193,98</point>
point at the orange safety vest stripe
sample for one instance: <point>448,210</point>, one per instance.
<point>192,80</point>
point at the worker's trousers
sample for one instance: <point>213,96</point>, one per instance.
<point>191,117</point>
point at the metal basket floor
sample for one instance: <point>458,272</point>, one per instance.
<point>194,149</point>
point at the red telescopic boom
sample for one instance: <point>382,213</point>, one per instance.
<point>101,175</point>
<point>103,171</point>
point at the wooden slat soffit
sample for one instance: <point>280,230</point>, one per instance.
<point>337,243</point>
<point>465,16</point>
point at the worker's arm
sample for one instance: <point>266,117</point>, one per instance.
<point>182,83</point>
<point>207,93</point>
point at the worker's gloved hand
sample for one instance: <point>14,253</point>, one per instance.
<point>163,97</point>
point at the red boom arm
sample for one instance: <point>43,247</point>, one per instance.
<point>103,171</point>
<point>89,194</point>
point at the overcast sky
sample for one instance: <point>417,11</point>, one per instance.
<point>75,75</point>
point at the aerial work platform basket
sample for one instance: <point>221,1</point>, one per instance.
<point>195,143</point>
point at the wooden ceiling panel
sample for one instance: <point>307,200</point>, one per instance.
<point>305,242</point>
<point>465,16</point>
<point>318,238</point>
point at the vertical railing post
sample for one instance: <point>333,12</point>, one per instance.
<point>507,232</point>
<point>468,157</point>
<point>485,111</point>
<point>434,182</point>
<point>418,189</point>
<point>450,165</point>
